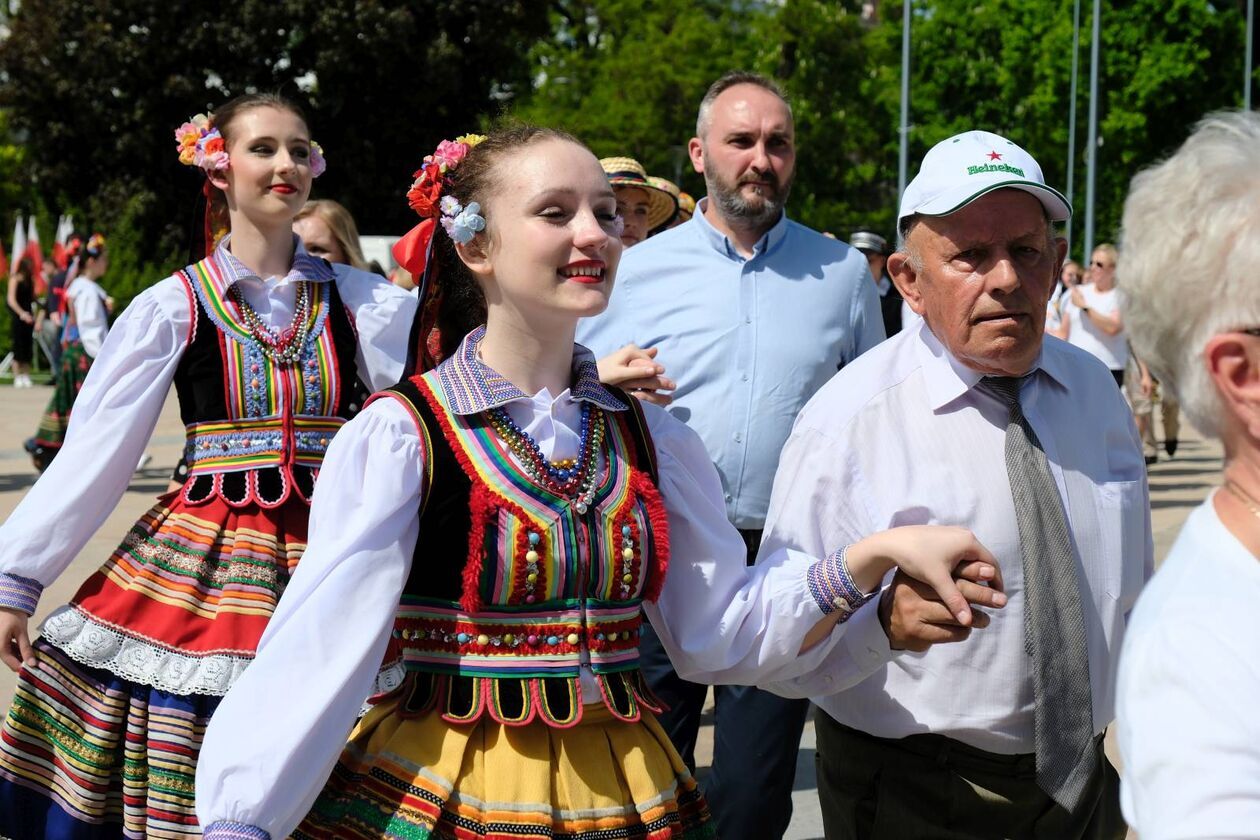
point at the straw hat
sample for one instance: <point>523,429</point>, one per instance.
<point>628,172</point>
<point>686,206</point>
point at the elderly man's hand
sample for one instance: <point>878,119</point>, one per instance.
<point>915,618</point>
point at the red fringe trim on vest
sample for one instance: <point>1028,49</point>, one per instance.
<point>651,497</point>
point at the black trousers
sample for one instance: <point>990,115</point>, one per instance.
<point>930,786</point>
<point>756,737</point>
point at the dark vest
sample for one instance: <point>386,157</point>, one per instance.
<point>511,590</point>
<point>243,448</point>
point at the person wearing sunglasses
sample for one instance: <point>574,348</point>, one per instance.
<point>1091,319</point>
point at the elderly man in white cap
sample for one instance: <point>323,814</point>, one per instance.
<point>973,418</point>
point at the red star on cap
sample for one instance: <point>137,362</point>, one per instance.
<point>994,156</point>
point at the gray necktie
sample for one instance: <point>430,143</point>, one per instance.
<point>1054,626</point>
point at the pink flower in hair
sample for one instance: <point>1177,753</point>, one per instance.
<point>318,164</point>
<point>449,154</point>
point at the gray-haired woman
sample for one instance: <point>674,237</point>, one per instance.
<point>1190,670</point>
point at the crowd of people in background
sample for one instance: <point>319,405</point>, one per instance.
<point>869,483</point>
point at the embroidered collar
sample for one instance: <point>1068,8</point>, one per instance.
<point>472,386</point>
<point>230,269</point>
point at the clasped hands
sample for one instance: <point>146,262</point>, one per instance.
<point>942,572</point>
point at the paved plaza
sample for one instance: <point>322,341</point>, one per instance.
<point>1177,486</point>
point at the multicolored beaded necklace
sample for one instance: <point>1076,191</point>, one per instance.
<point>572,478</point>
<point>283,346</point>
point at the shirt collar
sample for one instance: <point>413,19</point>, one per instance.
<point>947,378</point>
<point>471,386</point>
<point>720,243</point>
<point>231,270</point>
<point>884,285</point>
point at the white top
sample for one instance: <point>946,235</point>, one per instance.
<point>1054,307</point>
<point>1111,350</point>
<point>123,394</point>
<point>264,762</point>
<point>1189,688</point>
<point>91,316</point>
<point>904,437</point>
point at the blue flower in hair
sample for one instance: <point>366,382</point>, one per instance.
<point>467,224</point>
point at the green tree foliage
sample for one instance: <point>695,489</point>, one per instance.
<point>1004,65</point>
<point>93,88</point>
<point>98,86</point>
<point>626,75</point>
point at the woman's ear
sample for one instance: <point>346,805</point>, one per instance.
<point>475,254</point>
<point>218,177</point>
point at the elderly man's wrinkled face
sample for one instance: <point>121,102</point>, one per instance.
<point>982,278</point>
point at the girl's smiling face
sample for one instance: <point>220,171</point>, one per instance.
<point>269,176</point>
<point>551,246</point>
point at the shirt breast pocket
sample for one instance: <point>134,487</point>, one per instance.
<point>1122,538</point>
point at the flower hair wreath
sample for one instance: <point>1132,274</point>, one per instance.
<point>200,144</point>
<point>425,196</point>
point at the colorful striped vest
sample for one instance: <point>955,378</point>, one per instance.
<point>512,590</point>
<point>257,430</point>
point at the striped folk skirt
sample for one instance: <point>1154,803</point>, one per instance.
<point>420,777</point>
<point>75,363</point>
<point>104,732</point>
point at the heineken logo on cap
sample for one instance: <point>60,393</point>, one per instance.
<point>995,167</point>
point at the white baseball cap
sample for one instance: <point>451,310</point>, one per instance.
<point>957,171</point>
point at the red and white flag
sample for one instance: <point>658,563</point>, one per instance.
<point>64,229</point>
<point>34,251</point>
<point>19,241</point>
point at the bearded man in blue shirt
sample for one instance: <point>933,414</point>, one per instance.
<point>751,313</point>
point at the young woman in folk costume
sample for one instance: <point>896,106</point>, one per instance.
<point>261,342</point>
<point>499,522</point>
<point>87,323</point>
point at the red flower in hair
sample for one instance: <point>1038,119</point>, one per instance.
<point>426,191</point>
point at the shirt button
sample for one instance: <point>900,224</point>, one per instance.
<point>738,438</point>
<point>747,319</point>
<point>728,497</point>
<point>743,378</point>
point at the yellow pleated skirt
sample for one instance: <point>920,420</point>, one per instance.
<point>420,777</point>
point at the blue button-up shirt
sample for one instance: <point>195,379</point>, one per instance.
<point>748,341</point>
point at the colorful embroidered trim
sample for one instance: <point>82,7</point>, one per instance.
<point>19,593</point>
<point>518,644</point>
<point>227,830</point>
<point>256,385</point>
<point>832,586</point>
<point>471,386</point>
<point>250,444</point>
<point>580,557</point>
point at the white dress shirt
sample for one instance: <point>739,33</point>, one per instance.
<point>264,762</point>
<point>1189,687</point>
<point>123,394</point>
<point>904,437</point>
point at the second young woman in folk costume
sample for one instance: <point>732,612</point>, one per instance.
<point>261,342</point>
<point>83,336</point>
<point>523,515</point>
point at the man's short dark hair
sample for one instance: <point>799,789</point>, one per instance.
<point>730,80</point>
